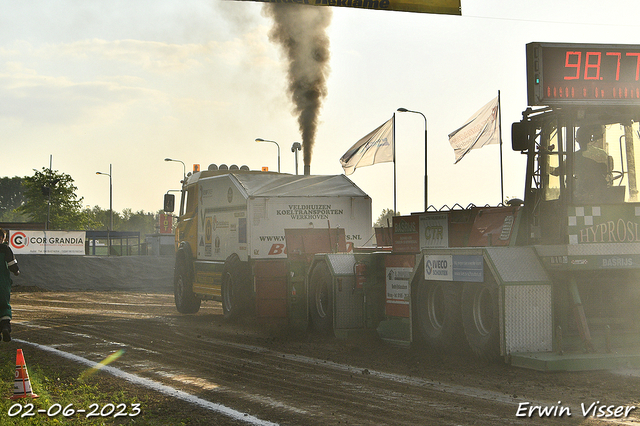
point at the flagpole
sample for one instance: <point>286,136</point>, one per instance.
<point>500,136</point>
<point>395,211</point>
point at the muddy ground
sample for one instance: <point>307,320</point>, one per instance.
<point>305,379</point>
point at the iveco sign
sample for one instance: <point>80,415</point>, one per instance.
<point>448,267</point>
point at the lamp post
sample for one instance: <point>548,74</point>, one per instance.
<point>46,190</point>
<point>266,140</point>
<point>110,206</point>
<point>295,148</point>
<point>426,179</point>
<point>184,168</point>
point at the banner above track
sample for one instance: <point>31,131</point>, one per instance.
<point>445,7</point>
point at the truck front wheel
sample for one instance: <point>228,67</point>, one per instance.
<point>186,301</point>
<point>480,319</point>
<point>321,299</point>
<point>235,288</point>
<point>438,314</point>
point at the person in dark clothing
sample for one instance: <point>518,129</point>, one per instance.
<point>592,163</point>
<point>8,263</point>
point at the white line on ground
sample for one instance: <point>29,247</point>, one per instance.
<point>158,387</point>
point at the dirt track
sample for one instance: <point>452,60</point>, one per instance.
<point>303,379</point>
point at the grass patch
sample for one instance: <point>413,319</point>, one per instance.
<point>62,388</point>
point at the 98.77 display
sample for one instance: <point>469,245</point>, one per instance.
<point>583,74</point>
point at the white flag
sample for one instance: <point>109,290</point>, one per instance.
<point>479,130</point>
<point>376,147</point>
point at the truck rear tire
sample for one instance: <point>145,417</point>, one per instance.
<point>480,319</point>
<point>438,316</point>
<point>186,301</point>
<point>236,280</point>
<point>321,299</point>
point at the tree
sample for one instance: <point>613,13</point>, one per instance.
<point>102,218</point>
<point>140,221</point>
<point>127,220</point>
<point>51,195</point>
<point>384,220</point>
<point>11,197</point>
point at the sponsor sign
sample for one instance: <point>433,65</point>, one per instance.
<point>269,221</point>
<point>376,147</point>
<point>604,224</point>
<point>406,235</point>
<point>208,236</point>
<point>434,231</point>
<point>591,262</point>
<point>446,7</point>
<point>446,267</point>
<point>480,130</point>
<point>398,284</point>
<point>468,268</point>
<point>617,262</point>
<point>166,223</point>
<point>47,242</point>
<point>438,267</point>
<point>398,272</point>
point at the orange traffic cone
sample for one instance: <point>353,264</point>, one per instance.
<point>21,384</point>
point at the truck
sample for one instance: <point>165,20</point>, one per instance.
<point>230,239</point>
<point>548,282</point>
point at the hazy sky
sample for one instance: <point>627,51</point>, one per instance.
<point>130,83</point>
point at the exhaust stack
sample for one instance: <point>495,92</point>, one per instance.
<point>302,34</point>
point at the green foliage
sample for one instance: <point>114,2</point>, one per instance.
<point>138,221</point>
<point>384,220</point>
<point>61,391</point>
<point>55,392</point>
<point>51,194</point>
<point>142,222</point>
<point>101,219</point>
<point>11,197</point>
<point>13,216</point>
<point>26,200</point>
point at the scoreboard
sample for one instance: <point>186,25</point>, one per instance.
<point>583,74</point>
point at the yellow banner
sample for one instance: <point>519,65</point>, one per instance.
<point>446,7</point>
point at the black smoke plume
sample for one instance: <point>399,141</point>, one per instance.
<point>301,31</point>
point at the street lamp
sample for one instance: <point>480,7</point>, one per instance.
<point>426,179</point>
<point>48,194</point>
<point>265,140</point>
<point>184,168</point>
<point>110,206</point>
<point>295,148</point>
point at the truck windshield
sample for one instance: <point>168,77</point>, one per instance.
<point>604,166</point>
<point>599,167</point>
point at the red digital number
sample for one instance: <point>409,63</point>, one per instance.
<point>592,66</point>
<point>618,55</point>
<point>637,55</point>
<point>569,64</point>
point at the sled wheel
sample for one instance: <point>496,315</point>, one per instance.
<point>438,315</point>
<point>235,288</point>
<point>480,319</point>
<point>321,299</point>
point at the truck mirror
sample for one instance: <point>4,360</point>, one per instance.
<point>169,203</point>
<point>520,136</point>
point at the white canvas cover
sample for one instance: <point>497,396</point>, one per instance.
<point>247,212</point>
<point>281,185</point>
